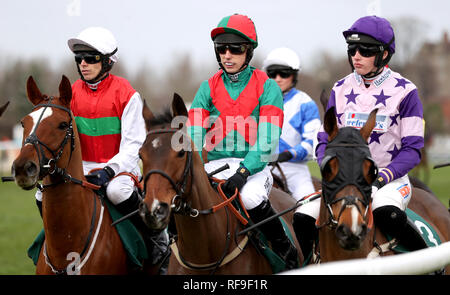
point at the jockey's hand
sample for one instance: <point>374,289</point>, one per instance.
<point>236,181</point>
<point>101,177</point>
<point>377,184</point>
<point>282,157</point>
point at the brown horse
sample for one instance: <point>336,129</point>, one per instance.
<point>346,227</point>
<point>3,108</point>
<point>76,223</point>
<point>175,182</point>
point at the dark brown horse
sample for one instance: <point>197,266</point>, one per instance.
<point>76,224</point>
<point>346,229</point>
<point>175,182</point>
<point>3,108</point>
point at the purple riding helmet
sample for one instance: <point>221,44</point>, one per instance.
<point>373,30</point>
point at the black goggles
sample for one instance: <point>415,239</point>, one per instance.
<point>234,48</point>
<point>364,50</point>
<point>283,73</point>
<point>89,58</point>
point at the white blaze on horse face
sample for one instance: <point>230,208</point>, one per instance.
<point>36,114</point>
<point>355,215</point>
<point>156,143</point>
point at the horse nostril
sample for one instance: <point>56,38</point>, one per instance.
<point>161,211</point>
<point>30,168</point>
<point>342,232</point>
<point>363,230</point>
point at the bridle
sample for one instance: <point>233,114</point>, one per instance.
<point>181,206</point>
<point>178,204</point>
<point>330,189</point>
<point>48,166</point>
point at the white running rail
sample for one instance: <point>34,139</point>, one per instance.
<point>413,263</point>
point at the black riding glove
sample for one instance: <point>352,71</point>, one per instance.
<point>236,181</point>
<point>101,177</point>
<point>282,157</point>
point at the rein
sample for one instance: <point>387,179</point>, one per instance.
<point>49,167</point>
<point>330,189</point>
<point>180,206</point>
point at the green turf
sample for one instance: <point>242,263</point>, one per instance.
<point>20,222</point>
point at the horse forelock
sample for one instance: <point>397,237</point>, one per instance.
<point>165,117</point>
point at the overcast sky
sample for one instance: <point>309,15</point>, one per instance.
<point>156,31</point>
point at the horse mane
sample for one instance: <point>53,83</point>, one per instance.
<point>416,182</point>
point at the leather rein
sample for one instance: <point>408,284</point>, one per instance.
<point>49,167</point>
<point>180,206</point>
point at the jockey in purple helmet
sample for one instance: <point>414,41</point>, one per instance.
<point>396,140</point>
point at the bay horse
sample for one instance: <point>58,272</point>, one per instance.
<point>3,108</point>
<point>75,220</point>
<point>346,229</point>
<point>176,185</point>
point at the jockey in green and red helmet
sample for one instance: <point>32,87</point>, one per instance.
<point>237,115</point>
<point>238,33</point>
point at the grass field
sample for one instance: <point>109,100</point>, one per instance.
<point>20,221</point>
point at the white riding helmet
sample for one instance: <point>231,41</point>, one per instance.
<point>284,57</point>
<point>98,38</point>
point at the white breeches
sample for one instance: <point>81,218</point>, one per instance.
<point>298,178</point>
<point>257,188</point>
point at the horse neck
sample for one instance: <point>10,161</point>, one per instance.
<point>66,211</point>
<point>202,239</point>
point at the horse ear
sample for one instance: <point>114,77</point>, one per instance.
<point>323,99</point>
<point>330,124</point>
<point>3,108</point>
<point>65,90</point>
<point>33,92</point>
<point>366,130</point>
<point>147,114</point>
<point>178,106</point>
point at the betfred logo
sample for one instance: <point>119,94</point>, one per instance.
<point>357,120</point>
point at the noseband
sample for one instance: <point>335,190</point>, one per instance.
<point>178,203</point>
<point>48,166</point>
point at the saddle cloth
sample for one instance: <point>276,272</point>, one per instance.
<point>130,236</point>
<point>428,233</point>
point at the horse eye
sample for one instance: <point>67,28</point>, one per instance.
<point>21,123</point>
<point>329,171</point>
<point>63,125</point>
<point>181,153</point>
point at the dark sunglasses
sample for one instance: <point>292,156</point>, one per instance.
<point>234,48</point>
<point>88,58</point>
<point>283,73</point>
<point>364,50</point>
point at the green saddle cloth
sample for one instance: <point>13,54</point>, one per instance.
<point>130,236</point>
<point>428,233</point>
<point>275,261</point>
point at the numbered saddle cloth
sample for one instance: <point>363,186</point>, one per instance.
<point>428,233</point>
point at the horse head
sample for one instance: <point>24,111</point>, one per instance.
<point>48,135</point>
<point>347,174</point>
<point>167,164</point>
